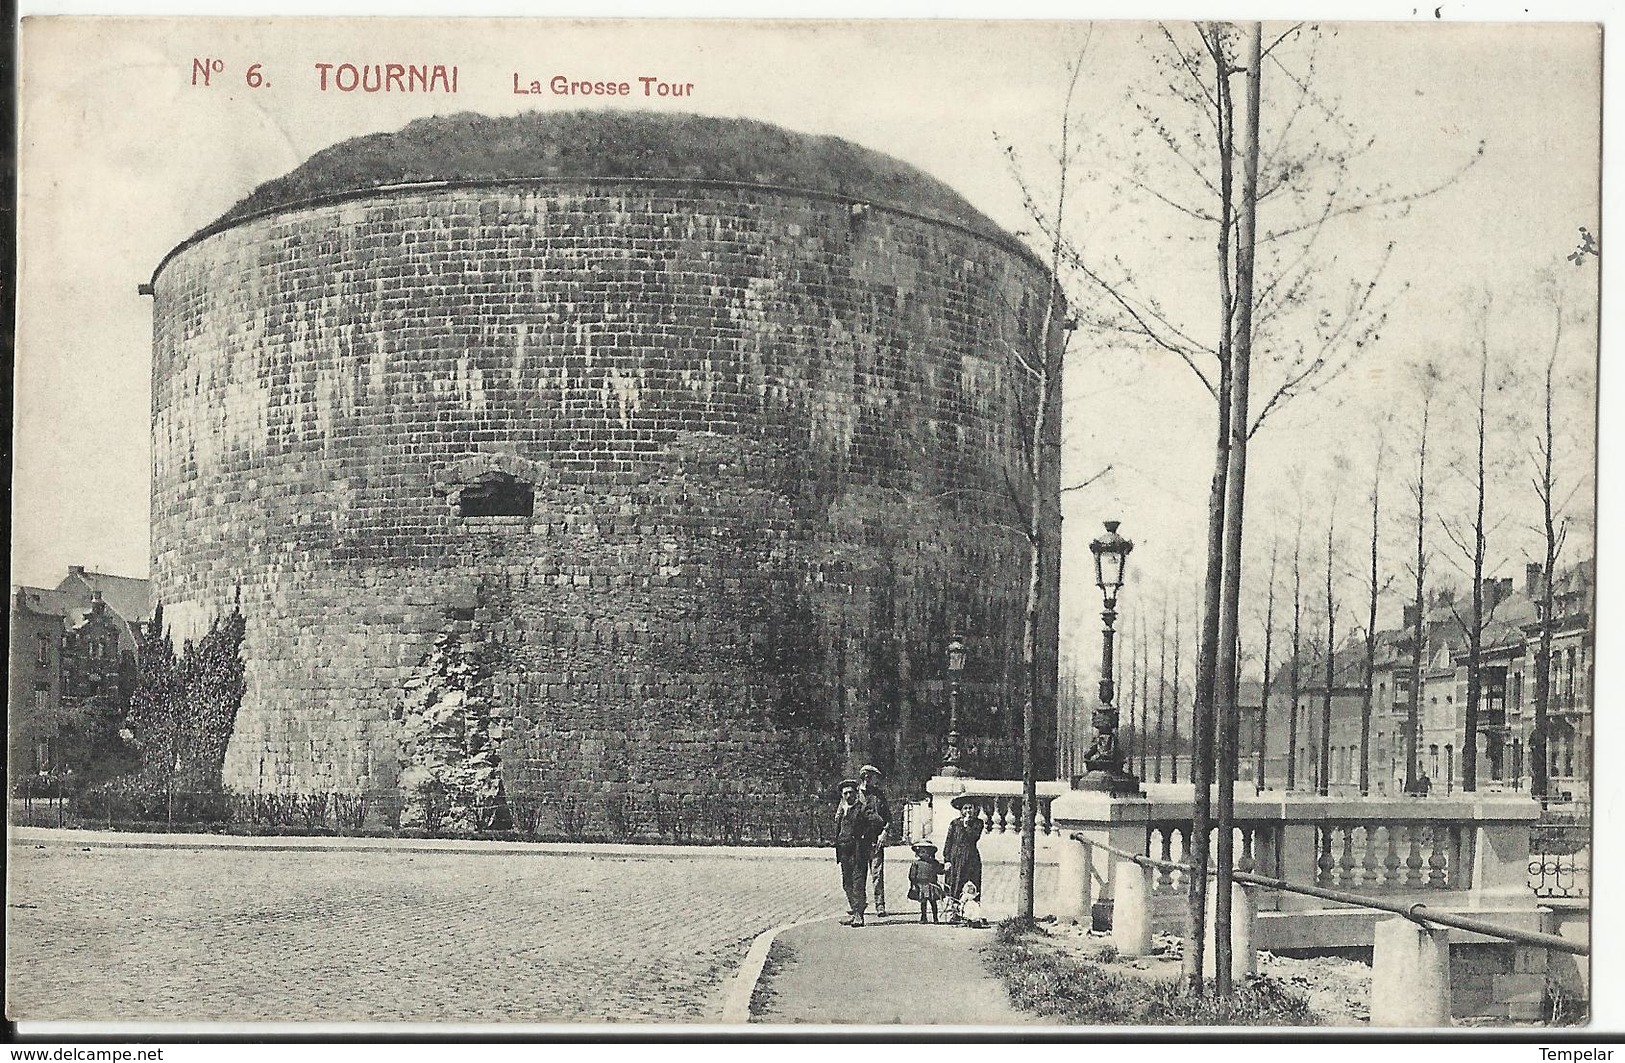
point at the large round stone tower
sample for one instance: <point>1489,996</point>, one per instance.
<point>710,432</point>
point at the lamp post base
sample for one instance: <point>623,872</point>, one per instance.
<point>1116,782</point>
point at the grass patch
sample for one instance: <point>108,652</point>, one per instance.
<point>1046,981</point>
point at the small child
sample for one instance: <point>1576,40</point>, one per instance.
<point>970,907</point>
<point>922,879</point>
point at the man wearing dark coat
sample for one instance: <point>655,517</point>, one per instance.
<point>874,800</point>
<point>855,833</point>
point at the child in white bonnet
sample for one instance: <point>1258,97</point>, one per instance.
<point>970,907</point>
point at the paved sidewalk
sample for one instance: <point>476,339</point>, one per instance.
<point>890,971</point>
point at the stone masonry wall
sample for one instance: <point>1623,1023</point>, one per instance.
<point>768,437</point>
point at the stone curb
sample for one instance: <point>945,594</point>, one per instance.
<point>736,1005</point>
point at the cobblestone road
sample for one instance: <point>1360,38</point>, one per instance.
<point>209,934</point>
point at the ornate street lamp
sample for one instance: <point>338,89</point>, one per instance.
<point>956,663</point>
<point>1103,763</point>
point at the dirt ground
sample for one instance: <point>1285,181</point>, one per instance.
<point>1339,990</point>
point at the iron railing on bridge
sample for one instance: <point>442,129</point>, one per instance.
<point>681,819</point>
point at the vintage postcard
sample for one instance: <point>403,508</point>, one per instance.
<point>975,524</point>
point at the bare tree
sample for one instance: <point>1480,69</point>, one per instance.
<point>1264,695</point>
<point>1554,530</point>
<point>1162,686</point>
<point>1470,541</point>
<point>1295,669</point>
<point>1324,785</point>
<point>1373,589</point>
<point>1309,325</point>
<point>1428,381</point>
<point>1173,740</point>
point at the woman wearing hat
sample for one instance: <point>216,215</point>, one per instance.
<point>960,853</point>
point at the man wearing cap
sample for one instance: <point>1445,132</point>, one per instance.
<point>855,832</point>
<point>874,801</point>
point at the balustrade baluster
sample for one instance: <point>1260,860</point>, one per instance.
<point>1247,863</point>
<point>1368,866</point>
<point>1345,865</point>
<point>1437,879</point>
<point>1324,864</point>
<point>1413,862</point>
<point>1001,806</point>
<point>1165,875</point>
<point>1391,862</point>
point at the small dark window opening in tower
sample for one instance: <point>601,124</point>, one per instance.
<point>497,495</point>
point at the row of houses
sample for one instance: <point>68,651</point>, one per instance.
<point>72,667</point>
<point>1298,751</point>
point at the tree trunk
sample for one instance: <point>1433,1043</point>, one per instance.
<point>1208,653</point>
<point>1173,738</point>
<point>1475,632</point>
<point>1294,677</point>
<point>1264,694</point>
<point>1370,638</point>
<point>1325,781</point>
<point>1540,774</point>
<point>1413,714</point>
<point>1225,700</point>
<point>1162,687</point>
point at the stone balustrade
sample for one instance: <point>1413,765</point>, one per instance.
<point>1467,854</point>
<point>1471,849</point>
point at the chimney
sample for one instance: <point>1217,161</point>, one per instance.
<point>1531,579</point>
<point>76,570</point>
<point>1503,589</point>
<point>1410,616</point>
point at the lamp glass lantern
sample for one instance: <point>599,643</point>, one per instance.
<point>956,654</point>
<point>1111,558</point>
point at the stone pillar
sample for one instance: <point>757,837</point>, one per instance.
<point>1072,881</point>
<point>942,791</point>
<point>1410,974</point>
<point>1297,856</point>
<point>1500,850</point>
<point>1243,913</point>
<point>1106,822</point>
<point>1131,908</point>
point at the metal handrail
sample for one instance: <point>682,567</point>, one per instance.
<point>1418,912</point>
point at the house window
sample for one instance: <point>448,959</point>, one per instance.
<point>497,494</point>
<point>42,696</point>
<point>43,652</point>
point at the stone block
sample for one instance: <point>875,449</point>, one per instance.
<point>751,519</point>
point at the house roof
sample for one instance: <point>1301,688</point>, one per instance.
<point>42,602</point>
<point>130,598</point>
